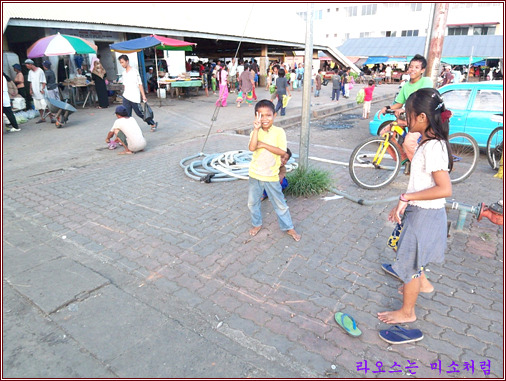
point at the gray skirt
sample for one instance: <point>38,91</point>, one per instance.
<point>422,241</point>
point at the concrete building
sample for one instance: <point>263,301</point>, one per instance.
<point>335,23</point>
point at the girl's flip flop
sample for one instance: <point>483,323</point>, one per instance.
<point>399,335</point>
<point>347,323</point>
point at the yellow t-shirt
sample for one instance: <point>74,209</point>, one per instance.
<point>265,165</point>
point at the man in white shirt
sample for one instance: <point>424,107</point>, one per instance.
<point>232,74</point>
<point>127,132</point>
<point>133,91</point>
<point>37,80</point>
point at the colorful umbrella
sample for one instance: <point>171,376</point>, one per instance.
<point>60,45</point>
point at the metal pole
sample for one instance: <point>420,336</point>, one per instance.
<point>436,41</point>
<point>306,91</point>
<point>429,31</point>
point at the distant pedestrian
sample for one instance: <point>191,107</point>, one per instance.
<point>37,81</point>
<point>222,77</point>
<point>367,99</point>
<point>318,80</point>
<point>134,91</point>
<point>7,107</point>
<point>282,91</point>
<point>336,85</point>
<point>245,87</point>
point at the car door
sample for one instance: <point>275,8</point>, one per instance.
<point>486,102</point>
<point>457,100</point>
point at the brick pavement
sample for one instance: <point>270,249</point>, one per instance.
<point>124,267</point>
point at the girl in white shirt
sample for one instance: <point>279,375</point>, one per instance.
<point>422,207</point>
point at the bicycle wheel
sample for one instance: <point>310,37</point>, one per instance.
<point>369,175</point>
<point>465,153</point>
<point>495,147</point>
<point>382,126</point>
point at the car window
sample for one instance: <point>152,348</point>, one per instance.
<point>456,99</point>
<point>488,100</point>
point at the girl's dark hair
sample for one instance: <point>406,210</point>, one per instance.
<point>289,152</point>
<point>265,103</point>
<point>429,102</point>
<point>281,73</point>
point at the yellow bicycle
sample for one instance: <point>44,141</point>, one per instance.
<point>376,162</point>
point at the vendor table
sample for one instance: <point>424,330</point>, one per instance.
<point>176,85</point>
<point>79,94</point>
<point>117,88</point>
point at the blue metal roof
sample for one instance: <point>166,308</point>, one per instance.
<point>453,46</point>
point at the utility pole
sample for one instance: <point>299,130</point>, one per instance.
<point>306,91</point>
<point>436,41</point>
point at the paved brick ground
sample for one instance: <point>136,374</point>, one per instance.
<point>124,267</point>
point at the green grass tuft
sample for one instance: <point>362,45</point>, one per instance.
<point>308,182</point>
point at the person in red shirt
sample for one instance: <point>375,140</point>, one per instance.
<point>368,99</point>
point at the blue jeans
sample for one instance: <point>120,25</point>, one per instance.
<point>335,93</point>
<point>273,189</point>
<point>280,105</point>
<point>317,93</point>
<point>135,106</point>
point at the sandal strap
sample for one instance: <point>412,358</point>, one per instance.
<point>352,320</point>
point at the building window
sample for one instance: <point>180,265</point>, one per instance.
<point>327,36</point>
<point>328,10</point>
<point>458,31</point>
<point>346,36</point>
<point>365,34</point>
<point>416,7</point>
<point>483,30</point>
<point>335,34</point>
<point>389,33</point>
<point>409,33</point>
<point>369,9</point>
<point>337,9</point>
<point>351,11</point>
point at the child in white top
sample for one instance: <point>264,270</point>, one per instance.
<point>422,207</point>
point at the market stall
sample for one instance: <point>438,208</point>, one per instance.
<point>153,41</point>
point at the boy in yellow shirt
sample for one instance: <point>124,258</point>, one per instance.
<point>268,144</point>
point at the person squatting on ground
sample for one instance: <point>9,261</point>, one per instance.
<point>417,81</point>
<point>133,91</point>
<point>421,210</point>
<point>126,132</point>
<point>268,144</point>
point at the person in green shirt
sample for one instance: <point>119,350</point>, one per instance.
<point>417,81</point>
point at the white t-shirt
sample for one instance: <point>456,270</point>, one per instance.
<point>131,80</point>
<point>429,157</point>
<point>388,71</point>
<point>36,78</point>
<point>6,99</point>
<point>132,131</point>
<point>240,69</point>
